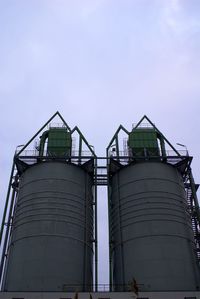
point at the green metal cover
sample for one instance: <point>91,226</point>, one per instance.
<point>140,139</point>
<point>59,142</point>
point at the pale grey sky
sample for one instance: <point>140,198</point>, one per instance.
<point>100,63</point>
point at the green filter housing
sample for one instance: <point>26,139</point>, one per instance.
<point>143,140</point>
<point>59,142</point>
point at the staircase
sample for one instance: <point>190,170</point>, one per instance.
<point>192,209</point>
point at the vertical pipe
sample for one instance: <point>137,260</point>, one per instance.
<point>162,145</point>
<point>109,224</point>
<point>96,231</point>
<point>110,244</point>
<point>117,148</point>
<point>7,234</point>
<point>80,149</point>
<point>7,201</point>
<point>121,236</point>
<point>25,146</point>
<point>84,287</point>
<point>42,143</point>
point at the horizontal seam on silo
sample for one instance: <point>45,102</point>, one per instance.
<point>17,215</point>
<point>150,179</point>
<point>124,221</point>
<point>157,235</point>
<point>147,205</point>
<point>82,199</point>
<point>60,200</point>
<point>153,208</point>
<point>50,219</point>
<point>147,192</point>
<point>183,213</point>
<point>52,235</point>
<point>51,203</point>
<point>174,198</point>
<point>90,226</point>
<point>25,209</point>
<point>49,179</point>
<point>153,214</point>
<point>89,230</point>
<point>52,192</point>
<point>150,220</point>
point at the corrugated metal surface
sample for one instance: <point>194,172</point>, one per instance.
<point>151,233</point>
<point>51,242</point>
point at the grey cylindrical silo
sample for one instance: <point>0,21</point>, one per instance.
<point>51,242</point>
<point>150,230</point>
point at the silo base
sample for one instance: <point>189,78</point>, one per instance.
<point>100,295</point>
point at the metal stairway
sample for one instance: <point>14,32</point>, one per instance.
<point>193,211</point>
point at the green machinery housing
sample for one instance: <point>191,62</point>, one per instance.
<point>144,142</point>
<point>59,142</point>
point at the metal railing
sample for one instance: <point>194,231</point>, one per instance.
<point>169,153</point>
<point>143,125</point>
<point>35,153</point>
<point>56,125</point>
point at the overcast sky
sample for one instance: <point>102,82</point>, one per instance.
<point>101,63</point>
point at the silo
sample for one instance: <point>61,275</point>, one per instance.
<point>152,244</point>
<point>51,241</point>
